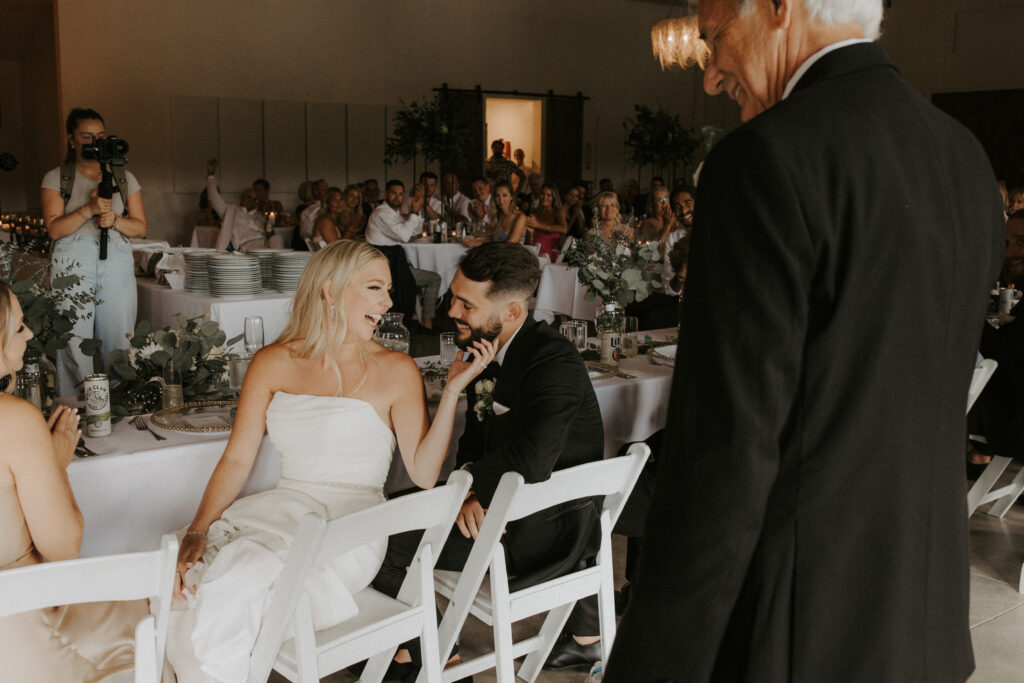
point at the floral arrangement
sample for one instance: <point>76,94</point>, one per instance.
<point>198,349</point>
<point>484,406</point>
<point>623,271</point>
<point>51,306</point>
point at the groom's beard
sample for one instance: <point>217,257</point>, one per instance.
<point>490,332</point>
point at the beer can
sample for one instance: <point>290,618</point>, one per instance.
<point>97,405</point>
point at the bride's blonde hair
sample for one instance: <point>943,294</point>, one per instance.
<point>8,326</point>
<point>309,325</point>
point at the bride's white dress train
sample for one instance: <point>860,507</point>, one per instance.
<point>335,455</point>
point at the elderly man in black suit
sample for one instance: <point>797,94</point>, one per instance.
<point>537,413</point>
<point>808,520</point>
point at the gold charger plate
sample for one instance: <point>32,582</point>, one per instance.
<point>198,416</point>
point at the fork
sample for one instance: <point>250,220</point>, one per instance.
<point>141,423</point>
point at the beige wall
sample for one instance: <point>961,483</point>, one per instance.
<point>373,52</point>
<point>379,52</point>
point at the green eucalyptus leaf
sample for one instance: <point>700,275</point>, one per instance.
<point>90,346</point>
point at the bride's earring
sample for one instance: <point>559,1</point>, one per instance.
<point>333,317</point>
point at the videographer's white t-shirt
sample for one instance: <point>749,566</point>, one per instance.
<point>81,193</point>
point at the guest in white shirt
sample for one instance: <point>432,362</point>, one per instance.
<point>307,219</point>
<point>431,210</point>
<point>481,208</point>
<point>243,227</point>
<point>388,228</point>
<point>454,203</point>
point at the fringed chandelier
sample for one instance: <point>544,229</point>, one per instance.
<point>676,42</point>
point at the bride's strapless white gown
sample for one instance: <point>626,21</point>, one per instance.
<point>335,455</point>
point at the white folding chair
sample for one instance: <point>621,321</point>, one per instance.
<point>983,490</point>
<point>131,576</point>
<point>495,605</point>
<point>382,623</point>
<point>565,247</point>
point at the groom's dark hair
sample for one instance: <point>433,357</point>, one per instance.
<point>510,268</point>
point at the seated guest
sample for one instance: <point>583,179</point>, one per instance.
<point>335,404</point>
<point>305,194</point>
<point>387,229</point>
<point>682,207</point>
<point>1015,200</point>
<point>547,221</point>
<point>998,414</point>
<point>575,218</point>
<point>605,185</point>
<point>266,204</point>
<point>40,522</point>
<point>454,204</point>
<point>342,217</point>
<point>498,169</point>
<point>509,222</point>
<point>677,254</point>
<point>609,224</point>
<point>205,215</point>
<point>432,208</point>
<point>660,221</point>
<point>631,201</point>
<point>529,196</point>
<point>371,195</point>
<point>318,190</point>
<point>481,208</point>
<point>244,226</point>
<point>583,187</point>
<point>552,422</point>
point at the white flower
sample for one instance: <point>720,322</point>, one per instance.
<point>484,405</point>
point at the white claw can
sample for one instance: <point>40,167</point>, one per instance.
<point>97,405</point>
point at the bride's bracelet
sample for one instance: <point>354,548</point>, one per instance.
<point>197,533</point>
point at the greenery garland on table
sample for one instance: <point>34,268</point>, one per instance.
<point>198,349</point>
<point>623,271</point>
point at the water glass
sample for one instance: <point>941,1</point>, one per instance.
<point>581,334</point>
<point>448,348</point>
<point>253,333</point>
<point>630,338</point>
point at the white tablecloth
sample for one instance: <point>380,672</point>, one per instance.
<point>560,291</point>
<point>206,235</point>
<point>159,304</point>
<point>442,259</point>
<point>138,488</point>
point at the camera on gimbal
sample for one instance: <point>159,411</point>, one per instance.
<point>109,150</point>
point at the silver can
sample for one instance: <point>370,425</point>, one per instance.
<point>97,405</point>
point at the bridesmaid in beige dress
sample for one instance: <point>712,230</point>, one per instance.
<point>40,522</point>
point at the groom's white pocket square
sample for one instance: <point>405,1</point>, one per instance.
<point>500,409</point>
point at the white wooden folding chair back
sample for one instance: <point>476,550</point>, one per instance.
<point>494,604</point>
<point>565,247</point>
<point>131,576</point>
<point>979,379</point>
<point>382,622</point>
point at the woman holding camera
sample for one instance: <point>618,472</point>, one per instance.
<point>74,214</point>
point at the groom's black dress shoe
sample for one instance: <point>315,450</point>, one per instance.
<point>568,654</point>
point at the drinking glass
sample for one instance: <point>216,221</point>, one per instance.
<point>253,333</point>
<point>448,348</point>
<point>172,393</point>
<point>581,334</point>
<point>630,337</point>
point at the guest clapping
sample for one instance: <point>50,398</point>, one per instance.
<point>547,222</point>
<point>661,220</point>
<point>342,216</point>
<point>40,522</point>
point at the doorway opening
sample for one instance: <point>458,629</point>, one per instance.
<point>518,121</point>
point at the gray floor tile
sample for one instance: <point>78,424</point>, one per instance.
<point>998,654</point>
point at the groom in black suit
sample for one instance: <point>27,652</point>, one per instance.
<point>808,520</point>
<point>539,415</point>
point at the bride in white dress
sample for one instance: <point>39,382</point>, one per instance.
<point>333,403</point>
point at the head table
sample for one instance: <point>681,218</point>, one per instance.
<point>137,488</point>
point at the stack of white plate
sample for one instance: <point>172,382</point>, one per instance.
<point>196,279</point>
<point>234,276</point>
<point>266,257</point>
<point>287,269</point>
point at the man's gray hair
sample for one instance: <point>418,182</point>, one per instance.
<point>867,13</point>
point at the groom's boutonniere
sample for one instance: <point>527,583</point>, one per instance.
<point>484,406</point>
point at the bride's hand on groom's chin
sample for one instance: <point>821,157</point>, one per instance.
<point>461,373</point>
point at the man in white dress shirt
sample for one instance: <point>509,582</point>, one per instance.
<point>309,214</point>
<point>243,227</point>
<point>454,203</point>
<point>388,228</point>
<point>431,210</point>
<point>482,206</point>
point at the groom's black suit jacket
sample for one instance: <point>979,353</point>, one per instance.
<point>553,422</point>
<point>808,521</point>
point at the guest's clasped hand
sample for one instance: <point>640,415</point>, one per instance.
<point>63,426</point>
<point>462,372</point>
